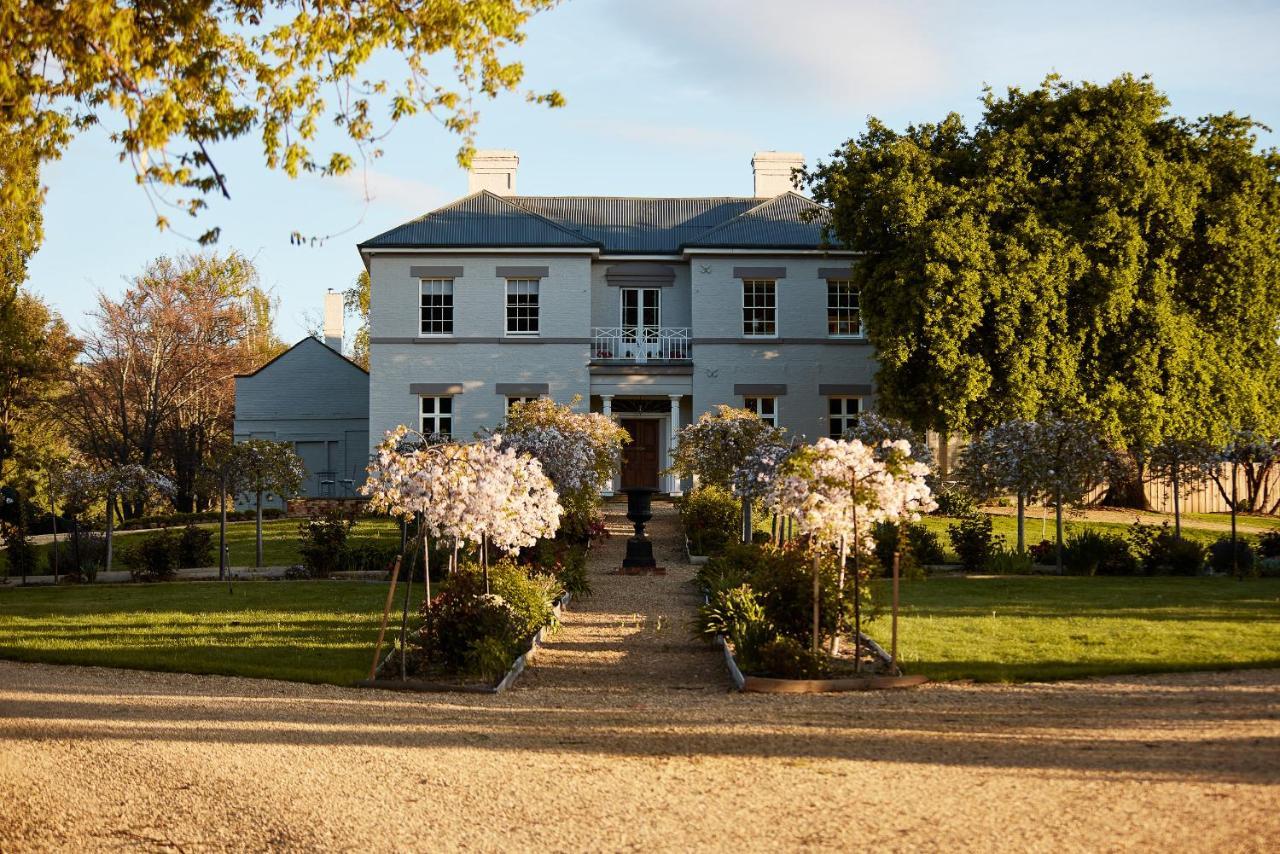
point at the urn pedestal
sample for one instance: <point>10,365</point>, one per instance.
<point>639,511</point>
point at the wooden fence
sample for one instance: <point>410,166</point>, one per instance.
<point>1202,497</point>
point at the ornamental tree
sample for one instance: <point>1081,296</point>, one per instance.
<point>1005,459</point>
<point>876,428</point>
<point>129,482</point>
<point>577,450</point>
<point>838,490</point>
<point>1183,462</point>
<point>263,467</point>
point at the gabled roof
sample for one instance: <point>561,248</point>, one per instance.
<point>311,339</point>
<point>613,224</point>
<point>788,221</point>
<point>481,219</point>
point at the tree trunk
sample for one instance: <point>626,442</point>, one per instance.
<point>1127,490</point>
<point>746,520</point>
<point>1022,522</point>
<point>1235,560</point>
<point>53,514</point>
<point>1057,518</point>
<point>426,566</point>
<point>222,531</point>
<point>814,645</point>
<point>835,638</point>
<point>1177,502</point>
<point>258,531</point>
<point>111,525</point>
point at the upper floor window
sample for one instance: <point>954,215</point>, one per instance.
<point>844,415</point>
<point>844,310</point>
<point>437,416</point>
<point>765,407</point>
<point>437,307</point>
<point>522,306</point>
<point>759,308</point>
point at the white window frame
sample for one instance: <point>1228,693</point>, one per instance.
<point>756,403</point>
<point>773,285</point>
<point>507,306</point>
<point>447,290</point>
<point>844,418</point>
<point>436,415</point>
<point>862,327</point>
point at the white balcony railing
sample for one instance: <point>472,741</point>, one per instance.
<point>640,344</point>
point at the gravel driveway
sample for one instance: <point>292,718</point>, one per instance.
<point>624,735</point>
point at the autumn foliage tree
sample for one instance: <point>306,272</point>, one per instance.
<point>157,384</point>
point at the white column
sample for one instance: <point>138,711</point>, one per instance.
<point>671,449</point>
<point>606,407</point>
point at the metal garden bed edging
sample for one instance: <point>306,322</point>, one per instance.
<point>770,685</point>
<point>517,667</point>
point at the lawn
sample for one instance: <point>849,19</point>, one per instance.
<point>306,631</point>
<point>1039,628</point>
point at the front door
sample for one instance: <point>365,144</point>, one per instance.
<point>640,456</point>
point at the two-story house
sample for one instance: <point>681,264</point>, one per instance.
<point>652,310</point>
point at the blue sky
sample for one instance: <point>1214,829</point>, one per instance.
<point>665,97</point>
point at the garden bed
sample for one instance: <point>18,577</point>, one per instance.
<point>855,682</point>
<point>441,686</point>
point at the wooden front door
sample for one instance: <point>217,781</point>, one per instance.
<point>640,456</point>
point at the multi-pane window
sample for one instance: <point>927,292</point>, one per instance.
<point>765,407</point>
<point>844,415</point>
<point>844,310</point>
<point>512,401</point>
<point>759,308</point>
<point>437,307</point>
<point>522,306</point>
<point>437,416</point>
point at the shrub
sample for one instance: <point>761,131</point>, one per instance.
<point>1162,552</point>
<point>1008,562</point>
<point>195,547</point>
<point>91,546</point>
<point>152,557</point>
<point>1220,557</point>
<point>917,549</point>
<point>1044,552</point>
<point>20,556</point>
<point>1269,544</point>
<point>954,500</point>
<point>1094,553</point>
<point>729,612</point>
<point>1269,567</point>
<point>711,517</point>
<point>530,596</point>
<point>372,556</point>
<point>582,525</point>
<point>973,541</point>
<point>461,618</point>
<point>567,561</point>
<point>786,658</point>
<point>324,544</point>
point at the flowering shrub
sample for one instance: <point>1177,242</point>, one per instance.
<point>710,517</point>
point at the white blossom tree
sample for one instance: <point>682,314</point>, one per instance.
<point>1184,462</point>
<point>131,482</point>
<point>1006,459</point>
<point>838,491</point>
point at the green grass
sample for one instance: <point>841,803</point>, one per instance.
<point>1043,628</point>
<point>306,631</point>
<point>280,540</point>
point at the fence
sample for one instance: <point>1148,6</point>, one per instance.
<point>1205,496</point>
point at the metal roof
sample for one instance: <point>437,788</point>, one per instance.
<point>615,225</point>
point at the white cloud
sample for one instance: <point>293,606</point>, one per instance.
<point>658,133</point>
<point>391,194</point>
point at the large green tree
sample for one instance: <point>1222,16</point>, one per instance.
<point>176,77</point>
<point>1079,250</point>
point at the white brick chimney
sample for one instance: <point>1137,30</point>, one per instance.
<point>772,171</point>
<point>333,312</point>
<point>493,170</point>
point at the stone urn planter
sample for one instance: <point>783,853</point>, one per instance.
<point>639,511</point>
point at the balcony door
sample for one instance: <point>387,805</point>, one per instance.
<point>641,323</point>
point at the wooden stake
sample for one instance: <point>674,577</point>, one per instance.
<point>386,613</point>
<point>893,648</point>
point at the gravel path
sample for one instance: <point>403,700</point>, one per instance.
<point>624,736</point>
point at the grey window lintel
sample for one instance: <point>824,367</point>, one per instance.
<point>760,389</point>
<point>759,272</point>
<point>521,389</point>
<point>848,389</point>
<point>435,389</point>
<point>523,272</point>
<point>421,272</point>
<point>835,273</point>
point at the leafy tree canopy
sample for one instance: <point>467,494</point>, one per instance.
<point>179,76</point>
<point>1079,250</point>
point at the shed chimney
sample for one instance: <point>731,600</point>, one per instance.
<point>333,320</point>
<point>493,170</point>
<point>772,171</point>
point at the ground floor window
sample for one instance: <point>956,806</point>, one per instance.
<point>843,415</point>
<point>514,399</point>
<point>765,407</point>
<point>437,416</point>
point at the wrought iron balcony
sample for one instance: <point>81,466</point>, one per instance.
<point>640,344</point>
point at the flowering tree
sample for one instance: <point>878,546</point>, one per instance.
<point>577,450</point>
<point>874,429</point>
<point>262,467</point>
<point>1182,461</point>
<point>838,491</point>
<point>129,482</point>
<point>1073,461</point>
<point>720,445</point>
<point>1005,459</point>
